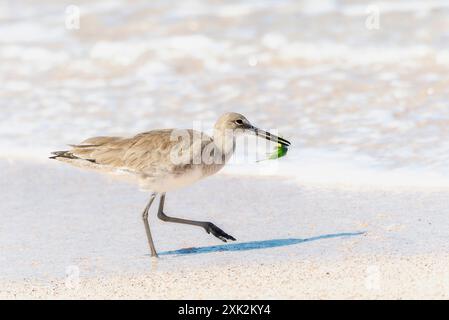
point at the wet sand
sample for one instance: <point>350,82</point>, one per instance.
<point>294,241</point>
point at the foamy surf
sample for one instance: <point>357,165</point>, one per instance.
<point>361,106</point>
<point>322,167</point>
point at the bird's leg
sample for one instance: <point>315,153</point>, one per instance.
<point>208,226</point>
<point>147,226</point>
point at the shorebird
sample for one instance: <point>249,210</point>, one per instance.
<point>164,160</point>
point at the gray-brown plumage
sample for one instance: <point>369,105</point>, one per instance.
<point>149,156</point>
<point>163,160</point>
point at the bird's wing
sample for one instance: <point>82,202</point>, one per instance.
<point>151,153</point>
<point>102,150</point>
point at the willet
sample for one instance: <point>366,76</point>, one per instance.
<point>164,160</point>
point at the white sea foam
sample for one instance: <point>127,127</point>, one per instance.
<point>386,7</point>
<point>324,168</point>
<point>366,104</point>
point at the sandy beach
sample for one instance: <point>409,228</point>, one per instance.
<point>304,241</point>
<point>374,277</point>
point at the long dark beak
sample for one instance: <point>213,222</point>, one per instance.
<point>269,136</point>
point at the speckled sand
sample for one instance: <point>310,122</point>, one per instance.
<point>392,277</point>
<point>76,234</point>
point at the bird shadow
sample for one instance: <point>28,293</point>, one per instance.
<point>255,245</point>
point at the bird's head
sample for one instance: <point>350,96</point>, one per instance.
<point>238,123</point>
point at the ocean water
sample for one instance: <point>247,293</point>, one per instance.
<point>359,87</point>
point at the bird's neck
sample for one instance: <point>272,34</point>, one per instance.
<point>225,142</point>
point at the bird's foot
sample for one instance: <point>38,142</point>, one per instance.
<point>217,232</point>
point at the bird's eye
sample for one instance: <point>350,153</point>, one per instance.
<point>239,121</point>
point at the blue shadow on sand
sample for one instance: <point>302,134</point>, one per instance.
<point>254,245</point>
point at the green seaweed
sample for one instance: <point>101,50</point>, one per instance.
<point>279,152</point>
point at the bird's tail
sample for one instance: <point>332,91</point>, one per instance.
<point>63,154</point>
<point>67,155</point>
